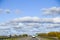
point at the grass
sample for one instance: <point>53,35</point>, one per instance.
<point>9,38</point>
<point>14,38</point>
<point>47,38</point>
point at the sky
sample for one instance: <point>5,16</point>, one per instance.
<point>26,8</point>
<point>29,16</point>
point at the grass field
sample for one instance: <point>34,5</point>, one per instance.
<point>16,38</point>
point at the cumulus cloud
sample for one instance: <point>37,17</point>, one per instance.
<point>7,10</point>
<point>52,25</point>
<point>52,10</point>
<point>32,19</point>
<point>26,19</point>
<point>29,24</point>
<point>56,19</point>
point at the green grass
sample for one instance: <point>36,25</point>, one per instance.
<point>14,38</point>
<point>9,38</point>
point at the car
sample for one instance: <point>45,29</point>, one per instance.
<point>33,36</point>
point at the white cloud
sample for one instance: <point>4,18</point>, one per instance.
<point>32,20</point>
<point>29,24</point>
<point>52,25</point>
<point>52,10</point>
<point>47,20</point>
<point>56,19</point>
<point>7,10</point>
<point>27,19</point>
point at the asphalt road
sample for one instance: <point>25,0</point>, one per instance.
<point>34,39</point>
<point>29,38</point>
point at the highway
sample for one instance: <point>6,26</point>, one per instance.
<point>34,38</point>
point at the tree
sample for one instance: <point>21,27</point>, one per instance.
<point>24,35</point>
<point>42,34</point>
<point>53,34</point>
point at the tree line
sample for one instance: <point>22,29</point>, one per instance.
<point>49,34</point>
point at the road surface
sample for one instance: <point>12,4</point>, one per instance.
<point>29,38</point>
<point>34,38</point>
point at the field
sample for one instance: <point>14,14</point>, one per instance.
<point>16,38</point>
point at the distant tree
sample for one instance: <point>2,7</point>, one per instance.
<point>50,34</point>
<point>20,35</point>
<point>24,35</point>
<point>42,34</point>
<point>54,34</point>
<point>14,35</point>
<point>10,36</point>
<point>58,36</point>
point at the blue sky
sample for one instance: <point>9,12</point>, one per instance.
<point>27,7</point>
<point>29,11</point>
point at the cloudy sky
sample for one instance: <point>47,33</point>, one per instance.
<point>29,16</point>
